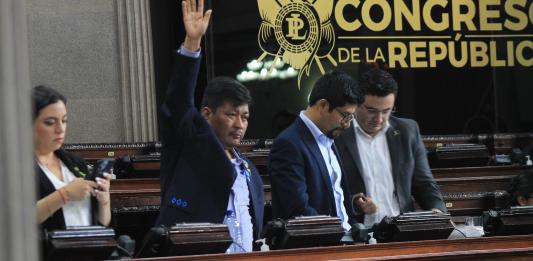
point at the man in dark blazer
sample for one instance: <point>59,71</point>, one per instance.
<point>203,175</point>
<point>384,156</point>
<point>306,175</point>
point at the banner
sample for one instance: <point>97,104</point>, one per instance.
<point>398,33</point>
<point>463,66</point>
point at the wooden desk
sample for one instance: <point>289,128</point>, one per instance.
<point>466,191</point>
<point>494,248</point>
<point>135,202</point>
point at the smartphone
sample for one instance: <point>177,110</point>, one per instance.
<point>101,166</point>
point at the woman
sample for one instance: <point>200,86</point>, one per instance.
<point>521,190</point>
<point>64,196</point>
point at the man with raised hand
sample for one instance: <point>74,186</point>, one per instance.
<point>203,175</point>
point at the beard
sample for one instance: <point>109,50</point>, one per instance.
<point>333,133</point>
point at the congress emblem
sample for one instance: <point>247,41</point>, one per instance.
<point>299,32</point>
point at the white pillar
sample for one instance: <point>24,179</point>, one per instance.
<point>18,222</point>
<point>137,70</point>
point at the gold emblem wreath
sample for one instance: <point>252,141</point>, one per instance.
<point>319,40</point>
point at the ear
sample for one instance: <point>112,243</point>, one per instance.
<point>522,201</point>
<point>323,105</point>
<point>206,113</point>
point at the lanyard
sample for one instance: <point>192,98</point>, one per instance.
<point>243,166</point>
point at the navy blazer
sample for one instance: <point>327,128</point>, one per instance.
<point>301,185</point>
<point>410,168</point>
<point>196,175</point>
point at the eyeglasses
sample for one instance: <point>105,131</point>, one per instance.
<point>374,112</point>
<point>346,116</point>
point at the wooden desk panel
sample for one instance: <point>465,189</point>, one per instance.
<point>478,184</point>
<point>487,171</point>
<point>257,151</point>
<point>133,195</point>
<point>496,143</point>
<point>255,148</point>
<point>138,195</point>
<point>473,203</point>
<point>96,151</point>
<point>438,173</point>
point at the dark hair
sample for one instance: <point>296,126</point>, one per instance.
<point>377,82</point>
<point>336,87</point>
<point>222,89</point>
<point>521,186</point>
<point>43,96</point>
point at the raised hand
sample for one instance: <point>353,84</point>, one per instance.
<point>195,22</point>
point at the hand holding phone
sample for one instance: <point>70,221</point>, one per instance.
<point>100,174</point>
<point>101,166</point>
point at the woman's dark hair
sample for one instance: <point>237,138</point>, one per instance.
<point>521,186</point>
<point>43,96</point>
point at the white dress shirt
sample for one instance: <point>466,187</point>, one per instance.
<point>377,173</point>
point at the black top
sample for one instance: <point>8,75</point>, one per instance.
<point>75,165</point>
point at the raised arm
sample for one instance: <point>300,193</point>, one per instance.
<point>180,92</point>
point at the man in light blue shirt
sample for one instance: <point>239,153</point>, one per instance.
<point>306,175</point>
